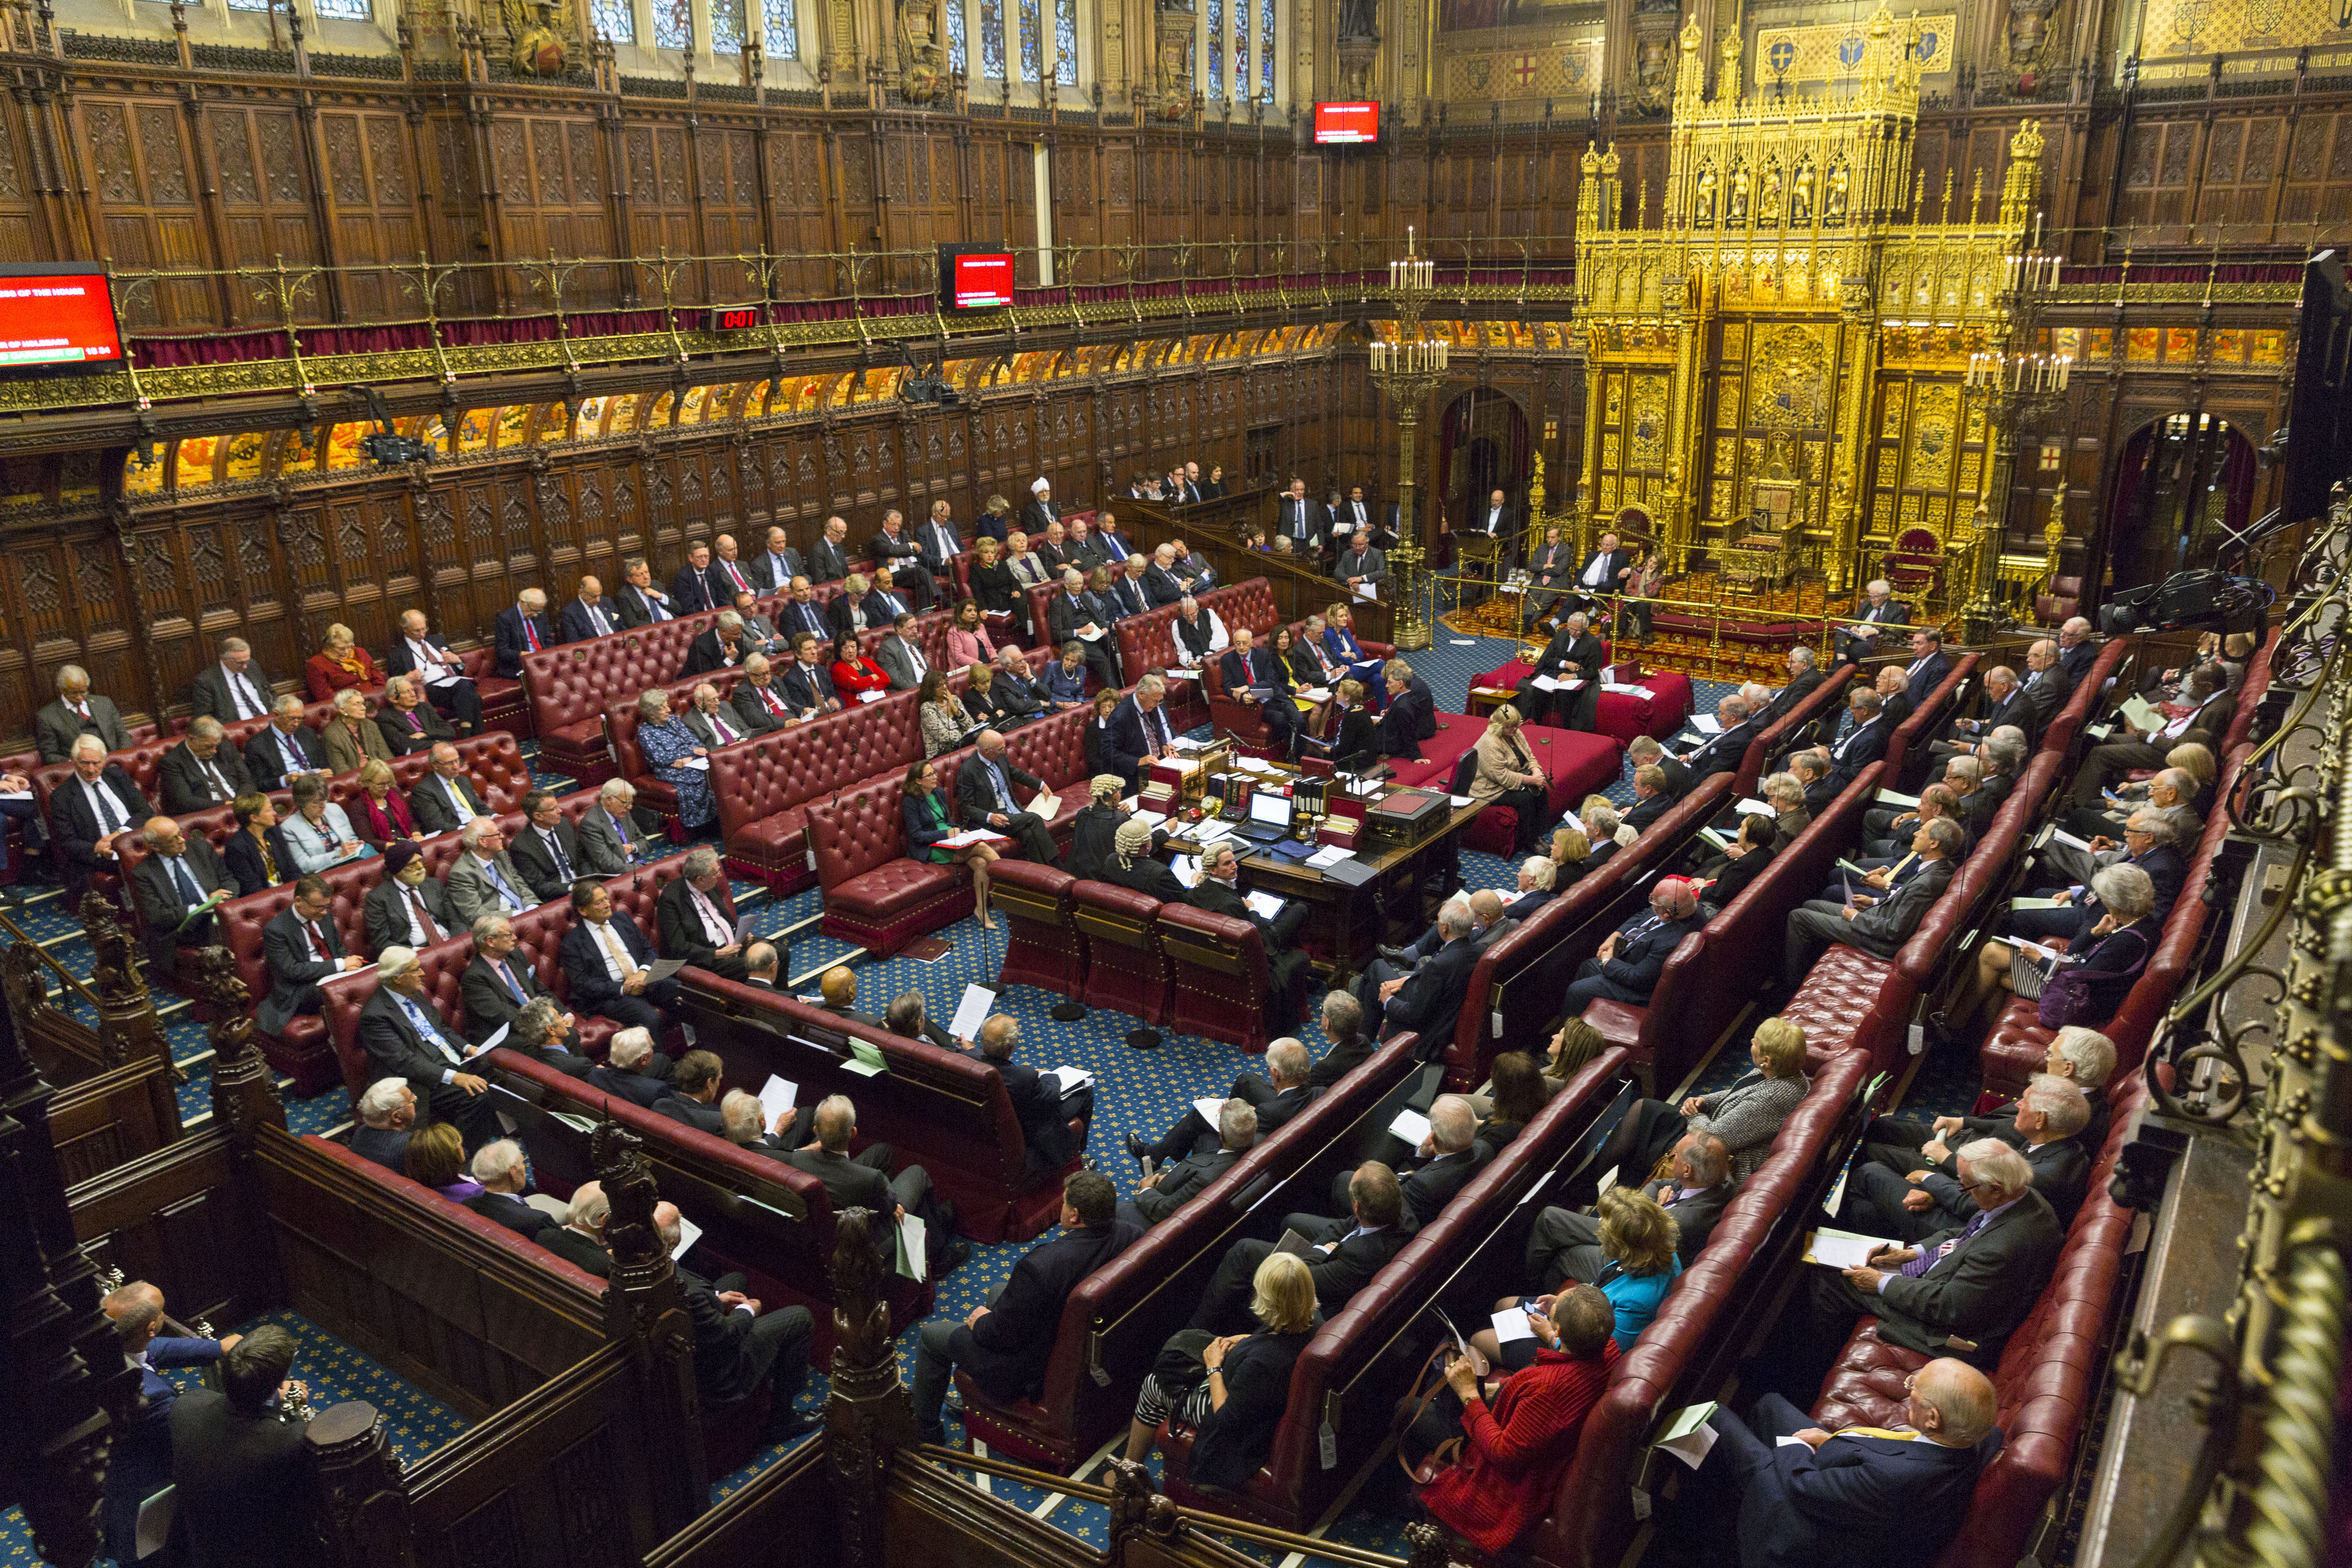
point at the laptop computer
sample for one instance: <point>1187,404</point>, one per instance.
<point>1269,818</point>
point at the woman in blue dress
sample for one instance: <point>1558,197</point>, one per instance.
<point>672,751</point>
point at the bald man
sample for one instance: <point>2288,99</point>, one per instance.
<point>1818,1500</point>
<point>1632,957</point>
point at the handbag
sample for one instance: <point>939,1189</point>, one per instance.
<point>2066,994</point>
<point>1178,1369</point>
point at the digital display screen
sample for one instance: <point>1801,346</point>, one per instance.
<point>1345,122</point>
<point>739,319</point>
<point>982,279</point>
<point>56,319</point>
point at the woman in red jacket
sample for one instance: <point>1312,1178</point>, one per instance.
<point>342,664</point>
<point>853,671</point>
<point>1514,1449</point>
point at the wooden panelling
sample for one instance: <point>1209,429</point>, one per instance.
<point>185,1218</point>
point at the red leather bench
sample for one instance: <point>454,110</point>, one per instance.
<point>1715,970</point>
<point>2045,1382</point>
<point>1113,1324</point>
<point>1906,749</point>
<point>2250,694</point>
<point>1616,714</point>
<point>1827,698</point>
<point>1126,968</point>
<point>1042,943</point>
<point>1526,973</point>
<point>618,724</point>
<point>1348,1379</point>
<point>764,787</point>
<point>941,1109</point>
<point>571,684</point>
<point>2088,696</point>
<point>1693,1345</point>
<point>1220,981</point>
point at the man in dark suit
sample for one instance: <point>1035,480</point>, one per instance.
<point>1876,608</point>
<point>203,771</point>
<point>1815,1500</point>
<point>1573,654</point>
<point>1163,1191</point>
<point>904,591</point>
<point>1880,927</point>
<point>580,1239</point>
<point>801,613</point>
<point>1275,1099</point>
<point>1909,1192</point>
<point>1632,957</point>
<point>1044,1106</point>
<point>89,812</point>
<point>246,1485</point>
<point>1497,520</point>
<point>939,544</point>
<point>2005,703</point>
<point>1812,770</point>
<point>773,569</point>
<point>1410,716</point>
<point>386,1111</point>
<point>1928,665</point>
<point>405,1037</point>
<point>2047,687</point>
<point>1428,1176</point>
<point>1554,568</point>
<point>1139,732</point>
<point>607,961</point>
<point>1161,584</point>
<point>547,850</point>
<point>893,546</point>
<point>1006,1346</point>
<point>611,841</point>
<point>1041,513</point>
<point>696,587</point>
<point>758,700</point>
<point>828,559</point>
<point>2203,706</point>
<point>693,1096</point>
<point>523,628</point>
<point>694,916</point>
<point>1860,739</point>
<point>301,947</point>
<point>140,1464</point>
<point>1298,518</point>
<point>1252,679</point>
<point>633,1070</point>
<point>408,724</point>
<point>451,691</point>
<point>1645,751</point>
<point>177,886</point>
<point>1604,571</point>
<point>985,787</point>
<point>1724,750</point>
<point>589,616</point>
<point>232,689</point>
<point>2077,649</point>
<point>77,711</point>
<point>640,603</point>
<point>864,1180</point>
<point>1564,1245</point>
<point>720,646</point>
<point>499,984</point>
<point>808,688</point>
<point>1427,999</point>
<point>444,799</point>
<point>1805,677</point>
<point>730,575</point>
<point>1342,1262</point>
<point>409,908</point>
<point>738,1347</point>
<point>1652,799</point>
<point>1218,892</point>
<point>501,1170</point>
<point>2149,843</point>
<point>272,757</point>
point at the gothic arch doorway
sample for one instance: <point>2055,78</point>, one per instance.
<point>2182,479</point>
<point>1482,447</point>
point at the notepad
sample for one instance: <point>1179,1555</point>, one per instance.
<point>1842,1248</point>
<point>1511,1324</point>
<point>2141,713</point>
<point>910,1259</point>
<point>688,1233</point>
<point>1687,1436</point>
<point>971,1012</point>
<point>1329,855</point>
<point>1543,683</point>
<point>1066,1078</point>
<point>776,1097</point>
<point>1754,808</point>
<point>661,969</point>
<point>1411,1125</point>
<point>865,1058</point>
<point>1707,723</point>
<point>1266,906</point>
<point>1209,1106</point>
<point>1712,837</point>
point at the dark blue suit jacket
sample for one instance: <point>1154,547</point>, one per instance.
<point>511,645</point>
<point>143,1452</point>
<point>1848,1502</point>
<point>1928,679</point>
<point>1641,959</point>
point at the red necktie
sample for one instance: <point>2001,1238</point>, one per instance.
<point>736,577</point>
<point>768,694</point>
<point>317,946</point>
<point>432,932</point>
<point>530,634</point>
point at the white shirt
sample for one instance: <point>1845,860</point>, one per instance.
<point>107,810</point>
<point>241,692</point>
<point>428,659</point>
<point>1494,520</point>
<point>914,654</point>
<point>457,796</point>
<point>608,945</point>
<point>713,927</point>
<point>410,902</point>
<point>597,617</point>
<point>721,727</point>
<point>1598,573</point>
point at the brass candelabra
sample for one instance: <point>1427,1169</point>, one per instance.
<point>1407,372</point>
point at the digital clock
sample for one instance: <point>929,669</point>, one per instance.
<point>740,321</point>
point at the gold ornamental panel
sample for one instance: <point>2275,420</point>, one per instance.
<point>1834,51</point>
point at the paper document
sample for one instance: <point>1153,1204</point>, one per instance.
<point>1842,1248</point>
<point>776,1097</point>
<point>1411,1125</point>
<point>1090,632</point>
<point>21,795</point>
<point>1608,1180</point>
<point>1570,819</point>
<point>1754,808</point>
<point>971,1012</point>
<point>910,1259</point>
<point>1896,797</point>
<point>1788,1439</point>
<point>497,1038</point>
<point>1543,683</point>
<point>1367,591</point>
<point>1186,867</point>
<point>1314,694</point>
<point>688,1233</point>
<point>1707,723</point>
<point>1046,803</point>
<point>2035,904</point>
<point>1712,837</point>
<point>1298,1246</point>
<point>661,969</point>
<point>1461,800</point>
<point>865,1058</point>
<point>2060,835</point>
<point>1209,1106</point>
<point>1687,1436</point>
<point>1511,1323</point>
<point>1571,685</point>
<point>1149,818</point>
<point>1066,1079</point>
<point>1266,906</point>
<point>872,696</point>
<point>350,975</point>
<point>972,836</point>
<point>1329,855</point>
<point>2142,714</point>
<point>700,764</point>
<point>1846,865</point>
<point>155,1517</point>
<point>1464,642</point>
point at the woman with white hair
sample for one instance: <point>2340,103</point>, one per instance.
<point>2111,959</point>
<point>677,758</point>
<point>342,665</point>
<point>350,736</point>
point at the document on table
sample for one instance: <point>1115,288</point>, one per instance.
<point>688,1233</point>
<point>1461,800</point>
<point>1707,723</point>
<point>1266,906</point>
<point>1754,808</point>
<point>971,1012</point>
<point>1687,1436</point>
<point>1842,1248</point>
<point>1410,1125</point>
<point>1149,818</point>
<point>1511,1323</point>
<point>776,1097</point>
<point>1330,854</point>
<point>910,1259</point>
<point>1620,689</point>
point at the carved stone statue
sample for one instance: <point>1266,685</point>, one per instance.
<point>1356,19</point>
<point>1706,198</point>
<point>1737,211</point>
<point>922,70</point>
<point>1800,194</point>
<point>1834,209</point>
<point>1767,195</point>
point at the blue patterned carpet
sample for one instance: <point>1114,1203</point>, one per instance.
<point>1140,1092</point>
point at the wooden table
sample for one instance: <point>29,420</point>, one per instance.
<point>1390,902</point>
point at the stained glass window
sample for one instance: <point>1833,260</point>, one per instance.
<point>991,39</point>
<point>1264,49</point>
<point>249,4</point>
<point>1065,42</point>
<point>343,10</point>
<point>673,28</point>
<point>615,19</point>
<point>957,59</point>
<point>1241,50</point>
<point>1033,43</point>
<point>780,22</point>
<point>727,27</point>
<point>1216,72</point>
